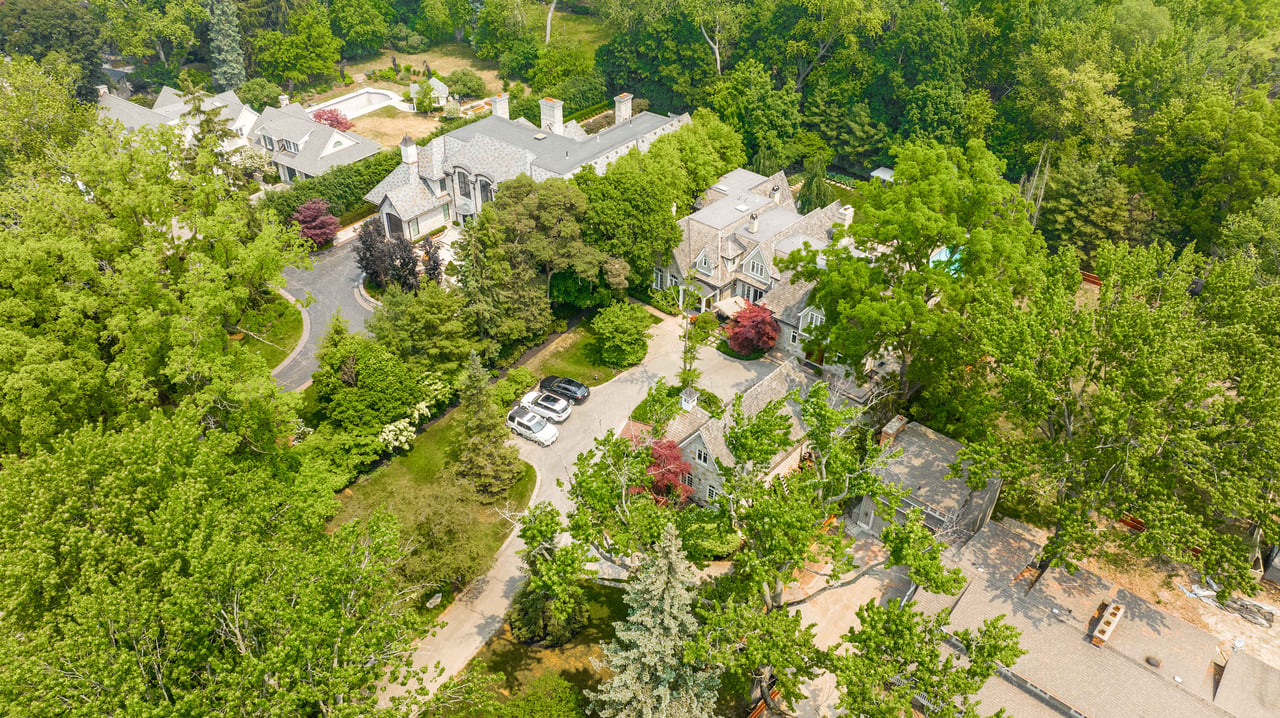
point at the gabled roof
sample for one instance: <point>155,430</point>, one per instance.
<point>925,460</point>
<point>786,378</point>
<point>129,114</point>
<point>320,147</point>
<point>788,298</point>
<point>1249,687</point>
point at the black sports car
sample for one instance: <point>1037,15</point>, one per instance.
<point>574,391</point>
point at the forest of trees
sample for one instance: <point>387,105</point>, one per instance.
<point>164,507</point>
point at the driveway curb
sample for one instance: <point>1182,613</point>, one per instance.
<point>302,340</point>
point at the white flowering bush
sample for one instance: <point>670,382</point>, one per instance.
<point>398,435</point>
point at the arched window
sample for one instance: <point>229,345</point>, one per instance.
<point>464,184</point>
<point>486,190</point>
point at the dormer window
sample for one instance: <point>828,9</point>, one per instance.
<point>704,264</point>
<point>756,268</point>
<point>289,146</point>
<point>268,142</point>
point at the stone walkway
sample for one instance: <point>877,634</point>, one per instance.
<point>478,612</point>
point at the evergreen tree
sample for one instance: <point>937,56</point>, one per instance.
<point>650,678</point>
<point>551,606</point>
<point>373,254</point>
<point>225,53</point>
<point>483,458</point>
<point>402,265</point>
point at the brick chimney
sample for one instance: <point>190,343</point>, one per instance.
<point>501,106</point>
<point>622,108</point>
<point>892,429</point>
<point>551,112</point>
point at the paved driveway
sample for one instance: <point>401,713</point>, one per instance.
<point>331,283</point>
<point>477,613</point>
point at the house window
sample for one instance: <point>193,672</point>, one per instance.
<point>657,279</point>
<point>413,227</point>
<point>464,184</point>
<point>268,142</point>
<point>756,268</point>
<point>814,320</point>
<point>712,493</point>
<point>795,337</point>
<point>289,146</point>
<point>701,456</point>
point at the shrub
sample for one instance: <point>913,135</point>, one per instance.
<point>622,334</point>
<point>753,330</point>
<point>259,93</point>
<point>658,406</point>
<point>315,223</point>
<point>343,187</point>
<point>547,696</point>
<point>332,117</point>
<point>465,83</point>
<point>513,386</point>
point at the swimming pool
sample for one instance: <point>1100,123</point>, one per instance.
<point>360,102</point>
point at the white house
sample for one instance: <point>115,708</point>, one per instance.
<point>452,177</point>
<point>301,147</point>
<point>173,108</point>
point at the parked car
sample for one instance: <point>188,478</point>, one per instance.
<point>531,426</point>
<point>574,391</point>
<point>548,406</point>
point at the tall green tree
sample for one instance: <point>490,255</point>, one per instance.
<point>551,605</point>
<point>360,24</point>
<point>427,330</point>
<point>43,117</point>
<point>165,568</point>
<point>948,229</point>
<point>309,49</point>
<point>483,458</point>
<point>765,116</point>
<point>36,28</point>
<point>225,53</point>
<point>649,675</point>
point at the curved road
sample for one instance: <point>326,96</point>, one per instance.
<point>478,612</point>
<point>331,285</point>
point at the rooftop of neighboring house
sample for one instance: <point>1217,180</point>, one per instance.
<point>1154,664</point>
<point>923,462</point>
<point>503,148</point>
<point>786,378</point>
<point>742,212</point>
<point>170,107</point>
<point>320,147</point>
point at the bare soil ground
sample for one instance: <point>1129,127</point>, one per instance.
<point>1158,581</point>
<point>388,125</point>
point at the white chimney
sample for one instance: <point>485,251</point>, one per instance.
<point>621,108</point>
<point>408,151</point>
<point>283,100</point>
<point>846,214</point>
<point>773,193</point>
<point>755,223</point>
<point>552,114</point>
<point>689,399</point>
<point>501,106</point>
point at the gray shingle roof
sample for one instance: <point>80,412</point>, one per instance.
<point>1055,615</point>
<point>786,378</point>
<point>129,114</point>
<point>926,458</point>
<point>315,140</point>
<point>788,298</point>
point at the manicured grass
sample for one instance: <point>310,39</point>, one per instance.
<point>519,663</point>
<point>566,26</point>
<point>402,485</point>
<point>844,194</point>
<point>574,356</point>
<point>279,323</point>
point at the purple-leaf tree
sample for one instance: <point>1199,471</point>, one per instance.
<point>315,222</point>
<point>753,329</point>
<point>332,117</point>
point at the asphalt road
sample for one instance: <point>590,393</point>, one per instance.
<point>331,288</point>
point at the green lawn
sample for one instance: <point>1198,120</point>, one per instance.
<point>518,663</point>
<point>575,357</point>
<point>577,29</point>
<point>844,194</point>
<point>279,323</point>
<point>405,485</point>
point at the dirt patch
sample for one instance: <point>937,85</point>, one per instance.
<point>388,129</point>
<point>443,60</point>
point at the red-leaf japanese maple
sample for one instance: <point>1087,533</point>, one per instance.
<point>668,471</point>
<point>333,118</point>
<point>315,222</point>
<point>753,329</point>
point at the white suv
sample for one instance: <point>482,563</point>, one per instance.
<point>531,426</point>
<point>548,406</point>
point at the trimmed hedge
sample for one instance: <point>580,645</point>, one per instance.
<point>590,111</point>
<point>343,188</point>
<point>450,126</point>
